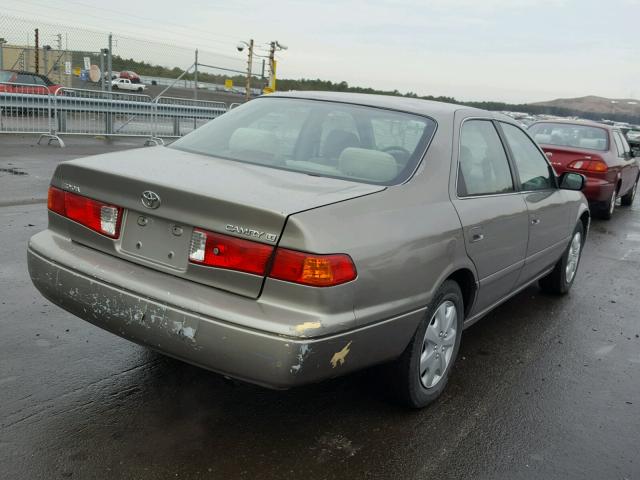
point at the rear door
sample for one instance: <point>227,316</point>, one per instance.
<point>629,170</point>
<point>548,211</point>
<point>493,214</point>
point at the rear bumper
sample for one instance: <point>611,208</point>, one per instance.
<point>212,342</point>
<point>597,190</point>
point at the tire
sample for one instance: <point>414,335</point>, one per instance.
<point>627,200</point>
<point>414,389</point>
<point>559,281</point>
<point>606,211</point>
<point>140,90</point>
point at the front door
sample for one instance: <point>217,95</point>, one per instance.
<point>493,214</point>
<point>549,217</point>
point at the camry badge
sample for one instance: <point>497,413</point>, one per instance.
<point>150,199</point>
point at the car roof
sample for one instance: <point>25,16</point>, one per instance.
<point>406,104</point>
<point>585,123</point>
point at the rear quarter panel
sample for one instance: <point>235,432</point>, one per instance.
<point>404,241</point>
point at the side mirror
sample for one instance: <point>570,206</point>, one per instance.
<point>572,181</point>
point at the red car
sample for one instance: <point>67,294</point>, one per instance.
<point>26,82</point>
<point>133,76</point>
<point>599,152</point>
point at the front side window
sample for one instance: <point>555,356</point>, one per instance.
<point>483,165</point>
<point>39,81</point>
<point>532,166</point>
<point>322,138</point>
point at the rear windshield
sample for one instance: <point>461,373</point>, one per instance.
<point>568,135</point>
<point>321,138</point>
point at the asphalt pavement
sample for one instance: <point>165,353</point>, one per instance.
<point>545,387</point>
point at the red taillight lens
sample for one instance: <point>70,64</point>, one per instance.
<point>314,270</point>
<point>100,217</point>
<point>597,166</point>
<point>223,251</point>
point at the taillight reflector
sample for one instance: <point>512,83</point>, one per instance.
<point>597,166</point>
<point>310,269</point>
<point>98,216</point>
<point>224,251</point>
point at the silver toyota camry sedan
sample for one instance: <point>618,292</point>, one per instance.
<point>304,235</point>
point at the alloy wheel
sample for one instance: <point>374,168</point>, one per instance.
<point>612,204</point>
<point>438,344</point>
<point>573,257</point>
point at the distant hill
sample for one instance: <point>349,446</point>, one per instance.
<point>606,107</point>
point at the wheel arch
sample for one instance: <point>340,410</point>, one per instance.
<point>466,280</point>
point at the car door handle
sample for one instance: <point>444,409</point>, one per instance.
<point>535,221</point>
<point>476,237</point>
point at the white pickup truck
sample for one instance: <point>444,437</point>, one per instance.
<point>125,84</point>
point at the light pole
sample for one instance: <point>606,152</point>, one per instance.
<point>240,48</point>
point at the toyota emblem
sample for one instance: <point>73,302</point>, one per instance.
<point>150,199</point>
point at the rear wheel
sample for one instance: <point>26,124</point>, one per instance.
<point>606,211</point>
<point>627,200</point>
<point>559,281</point>
<point>422,372</point>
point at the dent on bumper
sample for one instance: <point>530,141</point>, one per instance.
<point>267,359</point>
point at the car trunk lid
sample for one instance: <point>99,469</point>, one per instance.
<point>247,201</point>
<point>561,157</point>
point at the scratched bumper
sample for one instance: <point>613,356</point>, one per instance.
<point>259,357</point>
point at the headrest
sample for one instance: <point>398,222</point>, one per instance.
<point>592,143</point>
<point>542,138</point>
<point>253,140</point>
<point>368,164</point>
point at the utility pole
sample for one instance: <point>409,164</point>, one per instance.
<point>37,58</point>
<point>109,67</point>
<point>45,58</point>
<point>195,77</point>
<point>249,68</point>
<point>275,45</point>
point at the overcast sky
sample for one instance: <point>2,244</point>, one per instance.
<point>509,50</point>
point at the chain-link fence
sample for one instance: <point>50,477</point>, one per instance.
<point>80,58</point>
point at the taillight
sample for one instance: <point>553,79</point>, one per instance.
<point>224,251</point>
<point>310,269</point>
<point>98,216</point>
<point>586,165</point>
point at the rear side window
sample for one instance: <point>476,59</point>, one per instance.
<point>532,166</point>
<point>621,144</point>
<point>25,79</point>
<point>321,138</point>
<point>483,165</point>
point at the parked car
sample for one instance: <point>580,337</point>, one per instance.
<point>598,151</point>
<point>633,138</point>
<point>17,81</point>
<point>303,236</point>
<point>125,84</point>
<point>133,76</point>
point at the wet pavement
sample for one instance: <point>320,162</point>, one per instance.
<point>544,387</point>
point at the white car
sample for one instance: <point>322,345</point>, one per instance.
<point>125,84</point>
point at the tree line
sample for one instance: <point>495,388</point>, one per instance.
<point>285,84</point>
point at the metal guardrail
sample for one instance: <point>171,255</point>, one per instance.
<point>69,111</point>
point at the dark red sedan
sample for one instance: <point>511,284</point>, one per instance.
<point>599,152</point>
<point>15,81</point>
